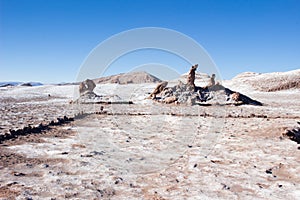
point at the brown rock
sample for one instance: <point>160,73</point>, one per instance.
<point>235,96</point>
<point>171,99</point>
<point>212,81</point>
<point>191,76</point>
<point>86,86</point>
<point>159,88</point>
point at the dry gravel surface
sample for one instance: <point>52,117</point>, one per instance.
<point>148,150</point>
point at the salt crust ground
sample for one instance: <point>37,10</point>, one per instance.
<point>148,150</point>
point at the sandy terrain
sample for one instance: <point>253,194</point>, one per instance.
<point>148,150</point>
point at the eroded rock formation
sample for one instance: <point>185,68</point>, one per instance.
<point>212,81</point>
<point>191,76</point>
<point>86,86</point>
<point>190,94</point>
<point>88,96</point>
<point>159,88</point>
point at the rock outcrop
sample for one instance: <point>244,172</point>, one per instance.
<point>86,86</point>
<point>88,96</point>
<point>293,134</point>
<point>191,76</point>
<point>190,94</point>
<point>268,82</point>
<point>129,78</point>
<point>159,88</point>
<point>212,81</point>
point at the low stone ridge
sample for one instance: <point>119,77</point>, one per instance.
<point>34,129</point>
<point>191,94</point>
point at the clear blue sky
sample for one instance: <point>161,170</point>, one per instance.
<point>47,40</point>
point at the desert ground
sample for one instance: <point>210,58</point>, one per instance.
<point>150,150</point>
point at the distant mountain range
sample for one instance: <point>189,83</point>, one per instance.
<point>124,78</point>
<point>5,84</point>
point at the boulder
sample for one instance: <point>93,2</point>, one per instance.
<point>86,86</point>
<point>171,99</point>
<point>235,96</point>
<point>158,89</point>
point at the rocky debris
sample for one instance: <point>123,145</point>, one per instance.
<point>6,191</point>
<point>19,113</point>
<point>18,174</point>
<point>269,171</point>
<point>107,192</point>
<point>118,180</point>
<point>276,170</point>
<point>34,129</point>
<point>10,158</point>
<point>225,187</point>
<point>238,97</point>
<point>293,134</point>
<point>157,197</point>
<point>92,98</point>
<point>190,94</point>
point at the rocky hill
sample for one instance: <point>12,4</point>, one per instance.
<point>268,82</point>
<point>128,78</point>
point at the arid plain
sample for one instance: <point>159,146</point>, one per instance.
<point>151,150</point>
